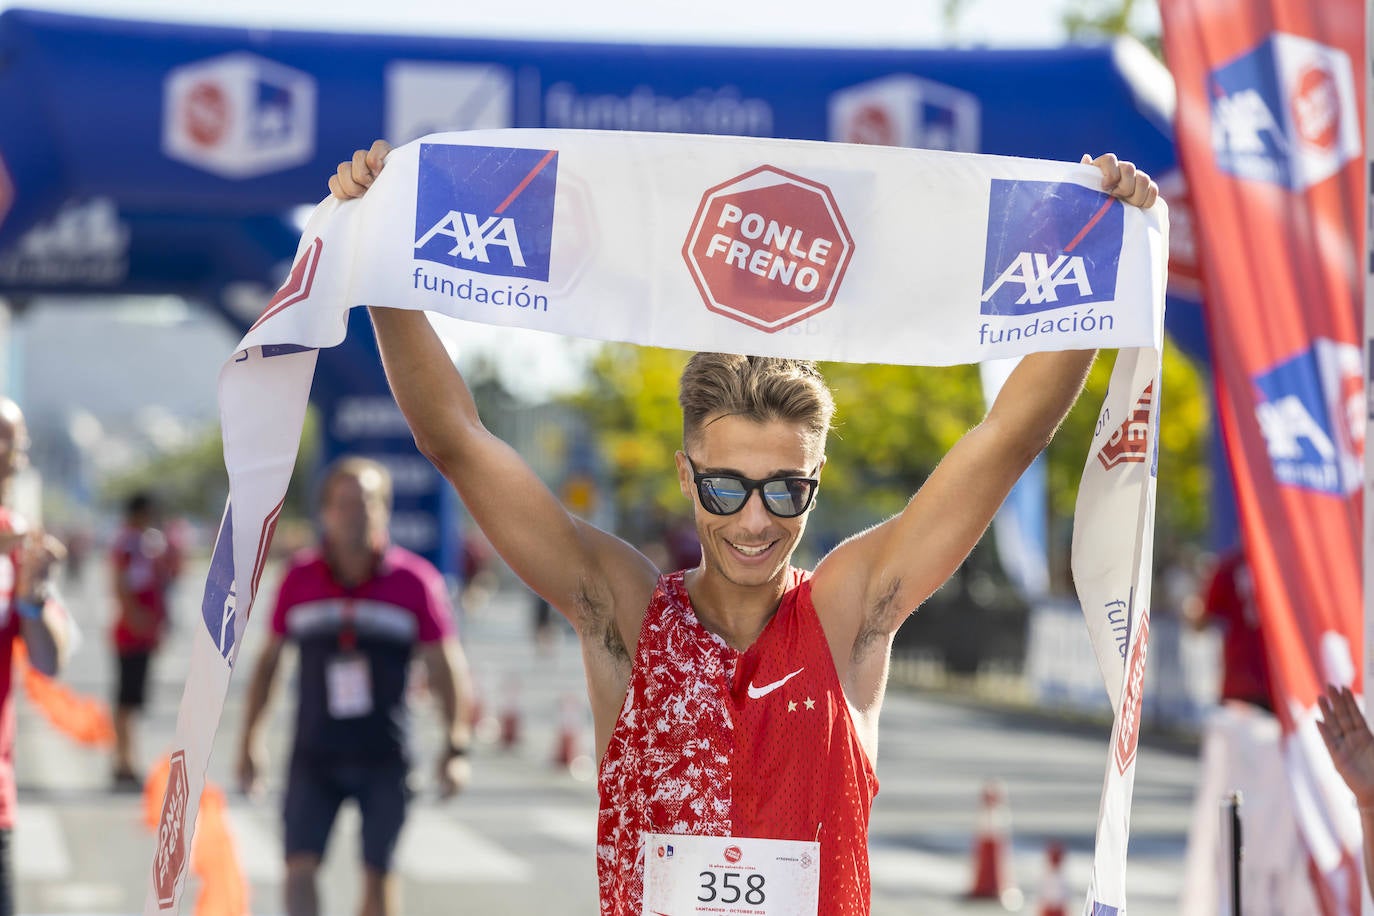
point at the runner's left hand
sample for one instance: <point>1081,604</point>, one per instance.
<point>1123,180</point>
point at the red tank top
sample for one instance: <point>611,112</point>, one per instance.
<point>756,743</point>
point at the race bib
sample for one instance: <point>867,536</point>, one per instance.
<point>730,875</point>
<point>348,681</point>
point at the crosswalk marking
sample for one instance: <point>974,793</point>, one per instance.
<point>435,847</point>
<point>574,826</point>
<point>40,852</point>
<point>258,846</point>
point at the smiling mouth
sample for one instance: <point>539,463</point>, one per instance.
<point>752,551</point>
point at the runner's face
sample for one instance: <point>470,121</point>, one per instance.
<point>353,514</point>
<point>753,546</point>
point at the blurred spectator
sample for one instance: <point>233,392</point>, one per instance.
<point>1228,601</point>
<point>29,609</point>
<point>357,608</point>
<point>143,565</point>
<point>1241,751</point>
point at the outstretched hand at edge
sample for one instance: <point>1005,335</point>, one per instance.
<point>1347,736</point>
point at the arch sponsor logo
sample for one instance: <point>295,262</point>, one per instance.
<point>1050,245</point>
<point>239,115</point>
<point>486,209</point>
<point>1285,112</point>
<point>768,248</point>
<point>425,97</point>
<point>1311,410</point>
<point>906,110</point>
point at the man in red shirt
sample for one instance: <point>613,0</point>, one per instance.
<point>28,610</point>
<point>143,565</point>
<point>1228,601</point>
<point>735,703</point>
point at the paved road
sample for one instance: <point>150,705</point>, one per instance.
<point>521,840</point>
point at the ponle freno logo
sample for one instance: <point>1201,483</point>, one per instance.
<point>1129,442</point>
<point>169,860</point>
<point>768,248</point>
<point>1128,732</point>
<point>239,115</point>
<point>486,209</point>
<point>1050,245</point>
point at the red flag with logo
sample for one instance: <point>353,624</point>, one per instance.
<point>1270,102</point>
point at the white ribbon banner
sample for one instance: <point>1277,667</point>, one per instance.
<point>783,248</point>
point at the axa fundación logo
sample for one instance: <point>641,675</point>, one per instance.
<point>1050,245</point>
<point>1285,112</point>
<point>486,209</point>
<point>768,248</point>
<point>1311,411</point>
<point>906,110</point>
<point>239,115</point>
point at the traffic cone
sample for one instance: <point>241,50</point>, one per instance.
<point>992,875</point>
<point>510,716</point>
<point>565,745</point>
<point>1054,892</point>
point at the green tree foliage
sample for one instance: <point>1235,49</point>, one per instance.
<point>191,481</point>
<point>893,425</point>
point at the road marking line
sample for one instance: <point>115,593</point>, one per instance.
<point>40,852</point>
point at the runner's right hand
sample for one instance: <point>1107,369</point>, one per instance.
<point>354,176</point>
<point>250,772</point>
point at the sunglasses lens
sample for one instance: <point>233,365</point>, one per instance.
<point>788,497</point>
<point>722,495</point>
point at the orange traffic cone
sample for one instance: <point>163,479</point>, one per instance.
<point>510,716</point>
<point>992,874</point>
<point>565,745</point>
<point>1054,892</point>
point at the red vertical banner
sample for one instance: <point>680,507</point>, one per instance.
<point>1270,102</point>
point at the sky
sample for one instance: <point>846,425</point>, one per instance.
<point>864,23</point>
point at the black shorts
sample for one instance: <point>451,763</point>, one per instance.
<point>6,874</point>
<point>132,686</point>
<point>314,791</point>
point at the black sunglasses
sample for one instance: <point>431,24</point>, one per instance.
<point>726,494</point>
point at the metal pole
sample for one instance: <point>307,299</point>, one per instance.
<point>1230,807</point>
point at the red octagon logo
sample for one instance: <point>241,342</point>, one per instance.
<point>768,248</point>
<point>1128,732</point>
<point>169,860</point>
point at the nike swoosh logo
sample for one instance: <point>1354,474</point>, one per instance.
<point>756,693</point>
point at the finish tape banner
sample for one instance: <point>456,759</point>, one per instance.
<point>768,247</point>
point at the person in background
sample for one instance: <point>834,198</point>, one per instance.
<point>29,610</point>
<point>143,566</point>
<point>357,609</point>
<point>1240,750</point>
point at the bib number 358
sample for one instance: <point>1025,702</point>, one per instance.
<point>732,887</point>
<point>730,875</point>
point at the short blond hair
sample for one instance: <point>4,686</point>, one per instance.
<point>759,388</point>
